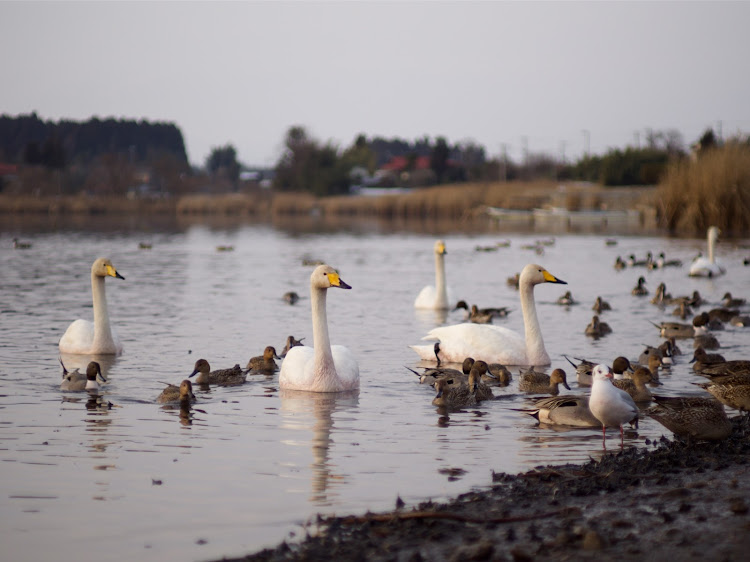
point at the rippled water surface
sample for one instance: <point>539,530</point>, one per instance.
<point>247,465</point>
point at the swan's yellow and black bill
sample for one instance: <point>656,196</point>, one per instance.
<point>112,272</point>
<point>549,278</point>
<point>336,281</point>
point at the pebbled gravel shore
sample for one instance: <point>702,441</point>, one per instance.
<point>671,501</point>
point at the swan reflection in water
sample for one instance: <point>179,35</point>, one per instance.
<point>296,406</point>
<point>73,361</point>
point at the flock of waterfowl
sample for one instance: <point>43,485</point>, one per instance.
<point>484,350</point>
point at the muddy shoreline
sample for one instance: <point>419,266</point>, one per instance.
<point>670,500</point>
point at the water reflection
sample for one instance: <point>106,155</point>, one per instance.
<point>74,361</point>
<point>322,406</point>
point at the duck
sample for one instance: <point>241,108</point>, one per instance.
<point>290,343</point>
<point>221,377</point>
<point>514,280</point>
<point>741,320</point>
<point>496,344</point>
<point>639,290</point>
<point>635,386</point>
<point>432,374</point>
<point>735,367</point>
<point>610,405</point>
<point>493,312</point>
<point>480,389</point>
<point>704,266</point>
<point>733,392</point>
<point>182,394</point>
<point>701,359</point>
<point>452,396</point>
<point>683,310</point>
<point>435,297</point>
<point>717,317</point>
<point>570,410</point>
<point>696,300</point>
<point>534,382</point>
<point>76,381</point>
<point>290,297</point>
<point>500,372</point>
<point>323,367</point>
<point>730,302</point>
<point>596,328</point>
<point>692,417</point>
<point>678,330</point>
<point>662,262</point>
<point>478,317</point>
<point>98,337</point>
<point>18,245</point>
<point>621,368</point>
<point>660,295</point>
<point>566,299</point>
<point>620,264</point>
<point>600,305</point>
<point>265,362</point>
<point>633,262</point>
<point>583,370</point>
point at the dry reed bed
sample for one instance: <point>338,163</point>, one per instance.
<point>63,205</point>
<point>712,189</point>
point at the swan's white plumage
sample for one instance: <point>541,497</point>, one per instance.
<point>707,266</point>
<point>438,296</point>
<point>323,367</point>
<point>496,344</point>
<point>97,337</point>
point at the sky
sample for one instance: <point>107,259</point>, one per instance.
<point>542,76</point>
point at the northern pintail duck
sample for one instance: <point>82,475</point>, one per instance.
<point>182,394</point>
<point>733,367</point>
<point>620,264</point>
<point>500,372</point>
<point>480,389</point>
<point>535,382</point>
<point>597,328</point>
<point>452,396</point>
<point>76,381</point>
<point>478,317</point>
<point>264,363</point>
<point>583,370</point>
<point>639,290</point>
<point>610,405</point>
<point>221,377</point>
<point>290,343</point>
<point>621,368</point>
<point>18,245</point>
<point>683,310</point>
<point>474,310</point>
<point>732,391</point>
<point>290,297</point>
<point>634,262</point>
<point>717,317</point>
<point>566,299</point>
<point>730,302</point>
<point>564,410</point>
<point>514,281</point>
<point>431,374</point>
<point>660,297</point>
<point>702,359</point>
<point>636,385</point>
<point>669,347</point>
<point>694,417</point>
<point>662,262</point>
<point>600,305</point>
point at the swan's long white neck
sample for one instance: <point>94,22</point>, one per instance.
<point>441,290</point>
<point>325,370</point>
<point>535,352</point>
<point>102,330</point>
<point>711,244</point>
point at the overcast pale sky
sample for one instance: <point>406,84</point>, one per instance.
<point>498,73</point>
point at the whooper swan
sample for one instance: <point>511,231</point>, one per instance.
<point>436,298</point>
<point>496,344</point>
<point>708,266</point>
<point>94,338</point>
<point>323,367</point>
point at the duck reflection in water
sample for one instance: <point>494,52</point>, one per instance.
<point>296,406</point>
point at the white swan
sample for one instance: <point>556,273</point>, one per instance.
<point>495,344</point>
<point>708,266</point>
<point>93,338</point>
<point>323,367</point>
<point>437,297</point>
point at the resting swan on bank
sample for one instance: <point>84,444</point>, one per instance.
<point>323,367</point>
<point>94,338</point>
<point>496,344</point>
<point>436,297</point>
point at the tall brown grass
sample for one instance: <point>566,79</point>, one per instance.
<point>712,189</point>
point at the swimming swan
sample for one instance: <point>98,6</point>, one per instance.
<point>94,338</point>
<point>496,344</point>
<point>436,298</point>
<point>323,367</point>
<point>707,266</point>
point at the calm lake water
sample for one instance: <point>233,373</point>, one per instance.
<point>248,465</point>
